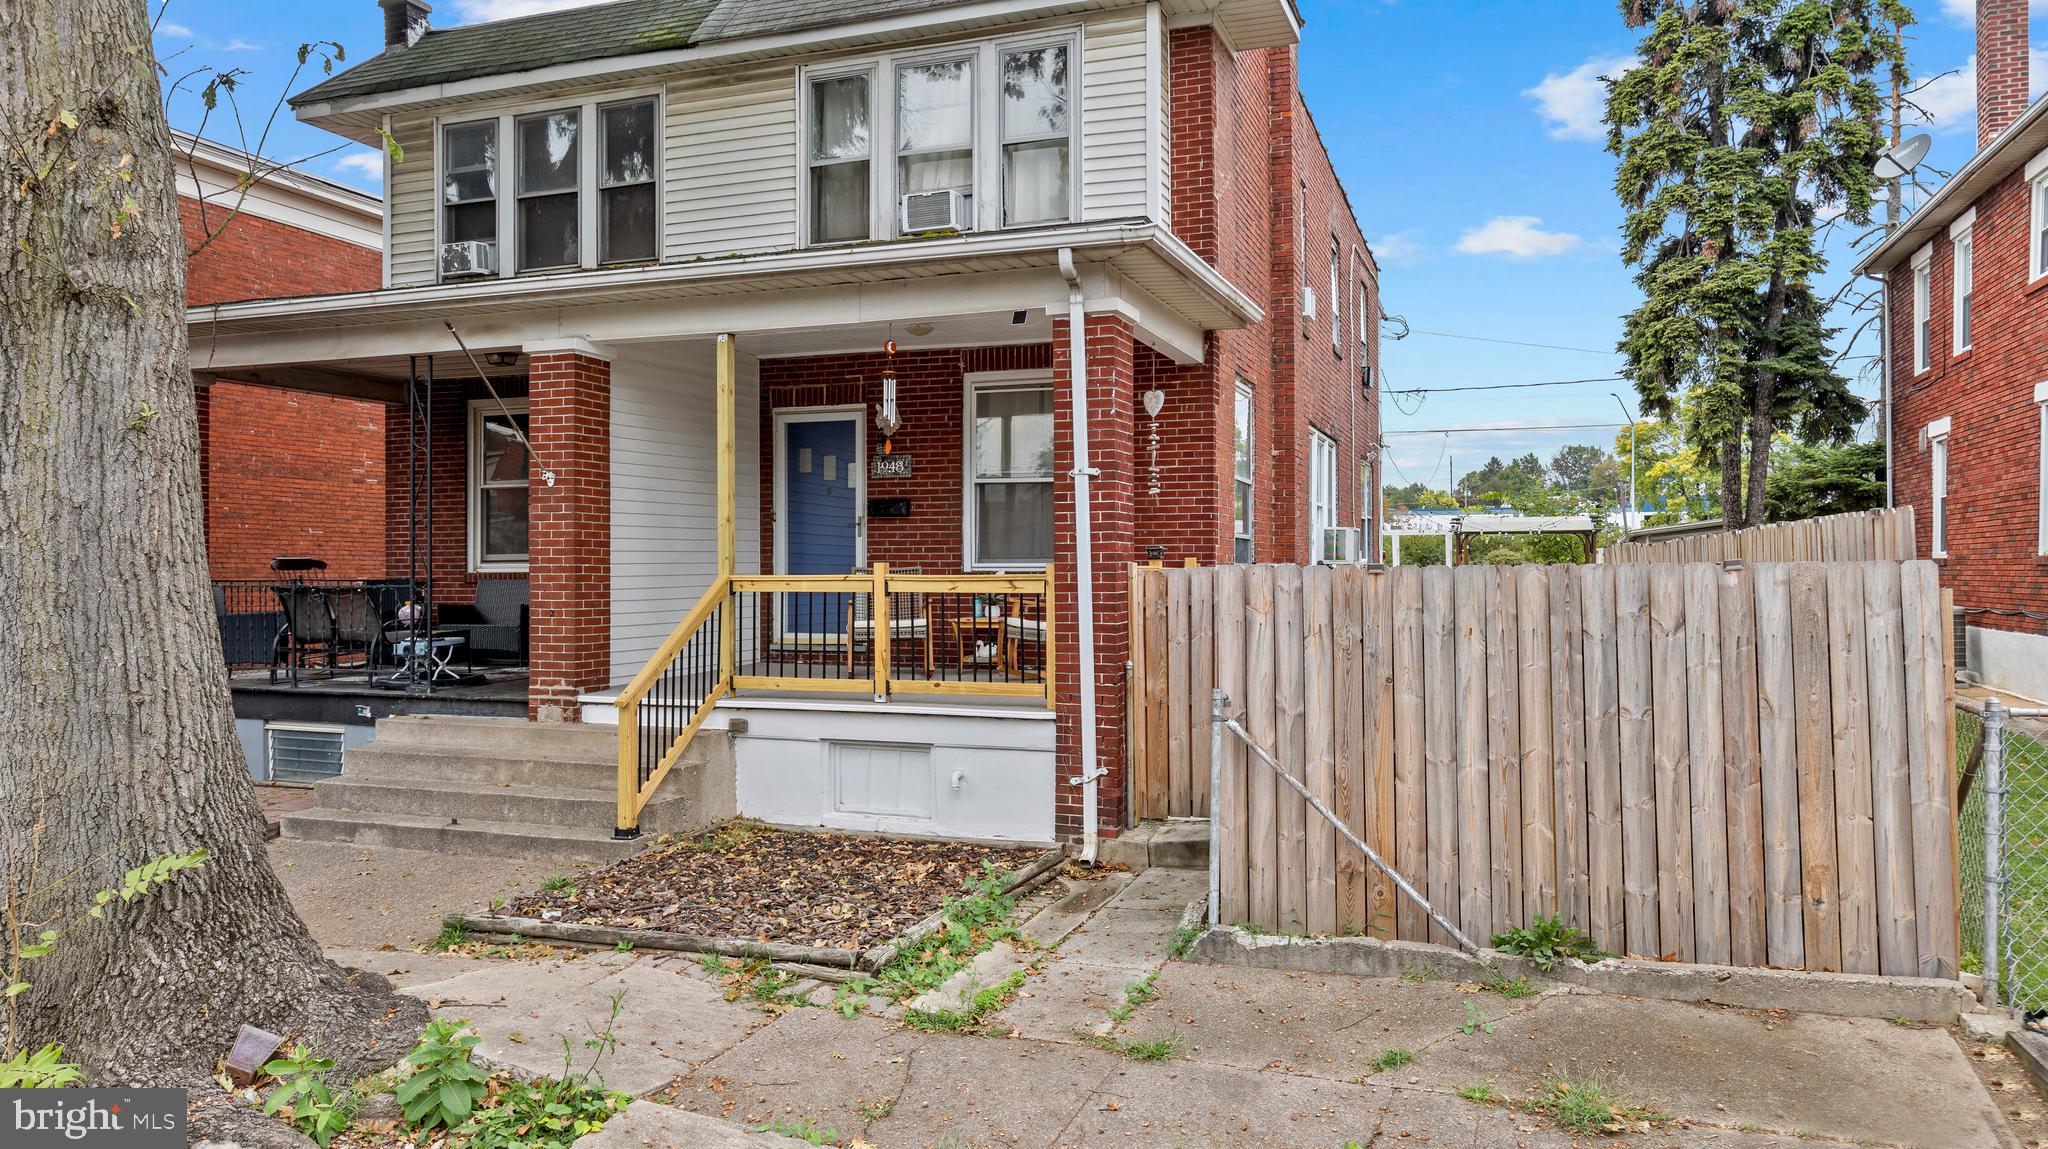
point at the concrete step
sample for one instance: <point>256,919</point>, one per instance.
<point>510,737</point>
<point>503,802</point>
<point>474,767</point>
<point>439,835</point>
<point>1173,845</point>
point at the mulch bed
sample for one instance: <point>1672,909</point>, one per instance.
<point>833,891</point>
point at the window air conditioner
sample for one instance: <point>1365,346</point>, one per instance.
<point>468,258</point>
<point>1340,545</point>
<point>933,211</point>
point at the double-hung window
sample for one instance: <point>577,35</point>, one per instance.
<point>1336,296</point>
<point>2041,491</point>
<point>1037,135</point>
<point>1009,476</point>
<point>1322,488</point>
<point>1963,281</point>
<point>1923,308</point>
<point>2037,212</point>
<point>469,187</point>
<point>571,203</point>
<point>1937,483</point>
<point>1241,514</point>
<point>627,207</point>
<point>839,158</point>
<point>497,485</point>
<point>991,123</point>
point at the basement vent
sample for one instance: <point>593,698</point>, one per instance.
<point>303,753</point>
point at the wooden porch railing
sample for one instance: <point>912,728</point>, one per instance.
<point>879,633</point>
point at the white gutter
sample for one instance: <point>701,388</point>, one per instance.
<point>1084,547</point>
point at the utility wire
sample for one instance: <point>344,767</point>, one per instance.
<point>1512,386</point>
<point>1511,342</point>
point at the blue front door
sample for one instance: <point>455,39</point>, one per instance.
<point>821,513</point>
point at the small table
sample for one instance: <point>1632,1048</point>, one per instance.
<point>427,659</point>
<point>967,639</point>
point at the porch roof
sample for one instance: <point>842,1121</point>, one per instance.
<point>357,343</point>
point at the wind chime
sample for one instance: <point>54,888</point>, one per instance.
<point>1155,399</point>
<point>886,419</point>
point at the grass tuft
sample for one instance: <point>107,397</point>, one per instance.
<point>1392,1059</point>
<point>1588,1109</point>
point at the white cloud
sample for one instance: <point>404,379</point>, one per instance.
<point>361,165</point>
<point>479,11</point>
<point>240,46</point>
<point>1517,237</point>
<point>1965,11</point>
<point>175,31</point>
<point>1948,101</point>
<point>1573,102</point>
<point>1398,249</point>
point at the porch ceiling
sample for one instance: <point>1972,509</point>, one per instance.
<point>785,303</point>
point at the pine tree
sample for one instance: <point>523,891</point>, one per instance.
<point>1744,127</point>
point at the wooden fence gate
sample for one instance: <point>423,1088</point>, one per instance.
<point>1723,764</point>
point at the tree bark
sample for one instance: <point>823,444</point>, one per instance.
<point>117,741</point>
<point>1731,483</point>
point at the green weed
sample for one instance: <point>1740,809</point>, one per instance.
<point>1475,1021</point>
<point>559,884</point>
<point>1548,941</point>
<point>1183,941</point>
<point>1392,1059</point>
<point>1135,994</point>
<point>802,1128</point>
<point>1589,1109</point>
<point>1161,1049</point>
<point>1513,990</point>
<point>1482,1094</point>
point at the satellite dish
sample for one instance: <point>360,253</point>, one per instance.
<point>1900,161</point>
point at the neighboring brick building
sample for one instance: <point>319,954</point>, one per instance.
<point>285,472</point>
<point>1969,371</point>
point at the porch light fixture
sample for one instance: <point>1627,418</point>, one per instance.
<point>501,358</point>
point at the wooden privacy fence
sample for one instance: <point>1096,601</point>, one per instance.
<point>1854,537</point>
<point>1733,765</point>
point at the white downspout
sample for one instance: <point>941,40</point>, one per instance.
<point>1084,547</point>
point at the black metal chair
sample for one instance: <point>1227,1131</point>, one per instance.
<point>308,630</point>
<point>496,625</point>
<point>358,626</point>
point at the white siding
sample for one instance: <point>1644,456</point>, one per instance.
<point>1116,88</point>
<point>665,490</point>
<point>1161,113</point>
<point>412,203</point>
<point>730,145</point>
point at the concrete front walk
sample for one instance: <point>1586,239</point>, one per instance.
<point>1265,1058</point>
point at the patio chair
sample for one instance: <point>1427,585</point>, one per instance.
<point>308,630</point>
<point>497,624</point>
<point>907,623</point>
<point>358,626</point>
<point>1023,622</point>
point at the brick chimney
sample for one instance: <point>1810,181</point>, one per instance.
<point>405,21</point>
<point>2001,66</point>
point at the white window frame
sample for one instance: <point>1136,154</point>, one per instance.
<point>599,187</point>
<point>969,507</point>
<point>1336,295</point>
<point>587,190</point>
<point>2041,442</point>
<point>1242,532</point>
<point>1923,308</point>
<point>1322,488</point>
<point>2037,216</point>
<point>1937,486</point>
<point>474,487</point>
<point>885,221</point>
<point>1962,281</point>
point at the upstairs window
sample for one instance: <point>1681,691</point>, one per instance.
<point>982,135</point>
<point>1923,309</point>
<point>1965,287</point>
<point>1036,136</point>
<point>839,153</point>
<point>935,130</point>
<point>469,188</point>
<point>2037,247</point>
<point>627,207</point>
<point>550,159</point>
<point>1336,295</point>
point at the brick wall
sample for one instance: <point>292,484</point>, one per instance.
<point>1988,393</point>
<point>2002,65</point>
<point>285,472</point>
<point>569,531</point>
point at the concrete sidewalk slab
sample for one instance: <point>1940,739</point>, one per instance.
<point>1169,890</point>
<point>1852,1079</point>
<point>1323,1025</point>
<point>1069,996</point>
<point>670,1021</point>
<point>650,1125</point>
<point>811,1064</point>
<point>361,897</point>
<point>1051,925</point>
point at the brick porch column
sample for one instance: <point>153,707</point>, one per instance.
<point>1110,449</point>
<point>569,569</point>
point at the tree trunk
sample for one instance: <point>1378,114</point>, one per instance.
<point>117,741</point>
<point>1731,483</point>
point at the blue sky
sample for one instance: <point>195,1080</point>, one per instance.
<point>1466,133</point>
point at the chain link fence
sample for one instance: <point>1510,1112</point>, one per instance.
<point>2002,784</point>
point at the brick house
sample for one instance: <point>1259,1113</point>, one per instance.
<point>786,298</point>
<point>284,472</point>
<point>1967,367</point>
